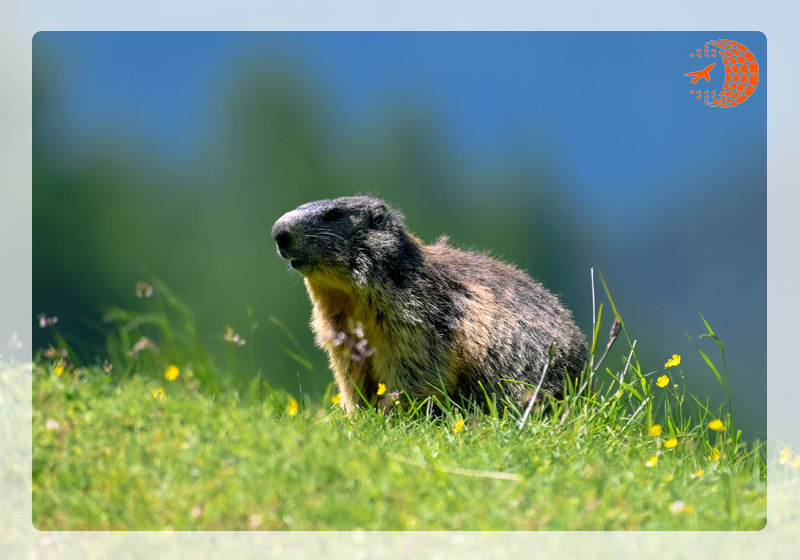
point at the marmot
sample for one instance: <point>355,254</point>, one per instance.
<point>399,317</point>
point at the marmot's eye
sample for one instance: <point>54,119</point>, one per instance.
<point>332,215</point>
<point>379,216</point>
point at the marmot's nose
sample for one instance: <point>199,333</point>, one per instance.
<point>285,230</point>
<point>282,238</point>
<point>281,233</point>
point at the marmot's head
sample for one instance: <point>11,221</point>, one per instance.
<point>350,239</point>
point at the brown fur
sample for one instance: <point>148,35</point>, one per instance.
<point>421,319</point>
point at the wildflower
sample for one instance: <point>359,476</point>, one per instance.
<point>459,426</point>
<point>785,455</point>
<point>158,394</point>
<point>60,369</point>
<point>362,345</point>
<point>231,336</point>
<point>675,360</point>
<point>143,343</point>
<point>671,442</point>
<point>15,343</point>
<point>652,462</point>
<point>716,425</point>
<point>339,337</point>
<point>680,507</point>
<point>143,289</point>
<point>292,407</point>
<point>655,430</point>
<point>697,473</point>
<point>197,511</point>
<point>362,351</point>
<point>172,373</point>
<point>45,321</point>
<point>336,398</point>
<point>53,353</point>
<point>52,424</point>
<point>796,462</point>
<point>355,342</point>
<point>714,455</point>
<point>256,521</point>
<point>381,389</point>
<point>663,381</point>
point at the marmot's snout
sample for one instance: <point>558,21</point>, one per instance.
<point>284,232</point>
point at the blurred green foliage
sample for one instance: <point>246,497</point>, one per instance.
<point>202,227</point>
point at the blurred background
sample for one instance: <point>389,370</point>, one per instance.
<point>172,154</point>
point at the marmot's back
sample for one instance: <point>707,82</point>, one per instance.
<point>390,310</point>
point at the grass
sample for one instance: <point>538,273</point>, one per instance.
<point>112,452</point>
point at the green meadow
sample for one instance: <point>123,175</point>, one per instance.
<point>154,436</point>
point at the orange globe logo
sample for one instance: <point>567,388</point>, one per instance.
<point>741,73</point>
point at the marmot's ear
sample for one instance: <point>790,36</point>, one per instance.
<point>379,214</point>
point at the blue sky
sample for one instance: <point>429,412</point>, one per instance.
<point>612,108</point>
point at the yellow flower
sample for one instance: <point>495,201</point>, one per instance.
<point>292,407</point>
<point>172,373</point>
<point>652,462</point>
<point>158,393</point>
<point>671,442</point>
<point>714,455</point>
<point>336,398</point>
<point>59,369</point>
<point>459,426</point>
<point>785,455</point>
<point>655,430</point>
<point>697,473</point>
<point>716,425</point>
<point>675,360</point>
<point>381,389</point>
<point>663,381</point>
<point>796,462</point>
